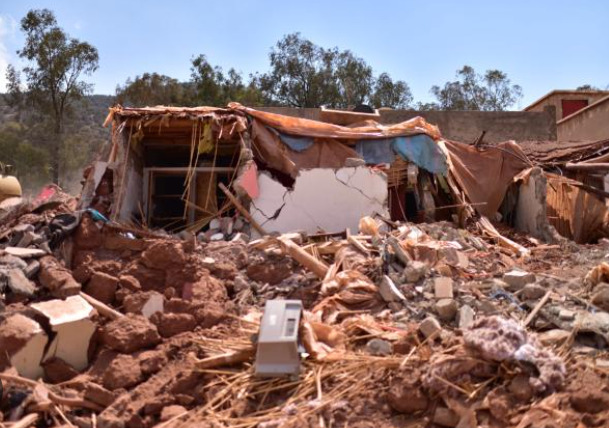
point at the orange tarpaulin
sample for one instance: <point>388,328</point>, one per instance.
<point>485,174</point>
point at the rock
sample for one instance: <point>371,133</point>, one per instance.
<point>32,269</point>
<point>146,303</point>
<point>70,320</point>
<point>217,237</point>
<point>13,262</point>
<point>389,292</point>
<point>379,347</point>
<point>415,271</point>
<point>57,370</point>
<point>240,284</point>
<point>98,394</point>
<point>152,361</point>
<point>170,412</point>
<point>443,287</point>
<point>102,287</point>
<point>164,255</point>
<point>57,278</point>
<point>123,372</point>
<point>430,326</point>
<point>445,417</point>
<point>271,272</point>
<point>446,309</point>
<point>19,284</point>
<point>517,279</point>
<point>170,324</point>
<point>130,333</point>
<point>520,386</point>
<point>589,401</point>
<point>566,315</point>
<point>533,292</point>
<point>600,297</point>
<point>465,317</point>
<point>405,397</point>
<point>129,282</point>
<point>553,337</point>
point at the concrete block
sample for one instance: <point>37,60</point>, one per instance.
<point>19,284</point>
<point>389,292</point>
<point>446,309</point>
<point>70,319</point>
<point>430,326</point>
<point>443,287</point>
<point>415,271</point>
<point>517,279</point>
<point>24,340</point>
<point>24,253</point>
<point>465,317</point>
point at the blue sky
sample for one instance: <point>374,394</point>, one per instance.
<point>542,45</point>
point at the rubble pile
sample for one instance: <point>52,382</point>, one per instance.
<point>404,325</point>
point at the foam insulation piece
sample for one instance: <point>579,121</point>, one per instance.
<point>70,320</point>
<point>27,359</point>
<point>323,199</point>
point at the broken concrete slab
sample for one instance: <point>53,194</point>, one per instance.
<point>517,279</point>
<point>389,292</point>
<point>443,287</point>
<point>71,320</point>
<point>465,317</point>
<point>430,326</point>
<point>322,199</point>
<point>24,253</point>
<point>19,283</point>
<point>23,340</point>
<point>446,309</point>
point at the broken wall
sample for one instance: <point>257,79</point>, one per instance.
<point>531,207</point>
<point>322,199</point>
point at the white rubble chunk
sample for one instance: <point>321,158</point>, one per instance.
<point>389,292</point>
<point>27,359</point>
<point>70,319</point>
<point>517,279</point>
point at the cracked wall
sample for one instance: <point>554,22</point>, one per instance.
<point>322,199</point>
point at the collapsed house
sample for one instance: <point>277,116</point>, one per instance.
<point>139,303</point>
<point>182,169</point>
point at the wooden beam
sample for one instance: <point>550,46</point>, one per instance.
<point>582,166</point>
<point>242,209</point>
<point>304,258</point>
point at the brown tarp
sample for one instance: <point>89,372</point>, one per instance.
<point>311,128</point>
<point>485,174</point>
<point>574,212</point>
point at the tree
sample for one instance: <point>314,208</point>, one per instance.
<point>212,87</point>
<point>152,89</point>
<point>388,93</point>
<point>587,87</point>
<point>492,91</point>
<point>56,63</point>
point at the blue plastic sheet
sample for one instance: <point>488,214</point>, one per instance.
<point>419,149</point>
<point>422,150</point>
<point>298,144</point>
<point>376,151</point>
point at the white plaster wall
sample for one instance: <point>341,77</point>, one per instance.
<point>531,206</point>
<point>322,200</point>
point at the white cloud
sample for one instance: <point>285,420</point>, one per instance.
<point>8,28</point>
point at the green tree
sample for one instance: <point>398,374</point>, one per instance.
<point>213,87</point>
<point>304,74</point>
<point>587,87</point>
<point>56,64</point>
<point>492,91</point>
<point>152,89</point>
<point>388,93</point>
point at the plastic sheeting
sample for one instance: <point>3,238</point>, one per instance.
<point>423,151</point>
<point>485,174</point>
